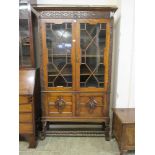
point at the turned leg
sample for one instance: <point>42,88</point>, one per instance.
<point>113,134</point>
<point>123,152</point>
<point>107,136</point>
<point>107,130</point>
<point>21,138</point>
<point>32,141</point>
<point>43,132</point>
<point>47,126</point>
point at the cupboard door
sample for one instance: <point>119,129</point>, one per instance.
<point>59,104</point>
<point>91,105</point>
<point>58,50</point>
<point>92,51</point>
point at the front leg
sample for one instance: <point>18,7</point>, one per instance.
<point>123,152</point>
<point>32,141</point>
<point>43,132</point>
<point>107,130</point>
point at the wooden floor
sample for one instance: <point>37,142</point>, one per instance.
<point>72,146</point>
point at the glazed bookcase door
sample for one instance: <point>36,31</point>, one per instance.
<point>58,51</point>
<point>92,54</point>
<point>26,57</point>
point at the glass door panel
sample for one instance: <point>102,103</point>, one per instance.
<point>92,46</point>
<point>59,45</point>
<point>24,38</point>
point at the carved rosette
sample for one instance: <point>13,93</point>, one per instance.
<point>91,104</point>
<point>60,104</point>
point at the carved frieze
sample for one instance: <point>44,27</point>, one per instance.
<point>74,14</point>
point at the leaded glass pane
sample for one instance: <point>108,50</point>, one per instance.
<point>92,44</point>
<point>59,44</point>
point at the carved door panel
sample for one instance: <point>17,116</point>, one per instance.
<point>59,104</point>
<point>91,105</point>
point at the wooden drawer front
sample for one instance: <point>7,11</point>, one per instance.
<point>25,99</point>
<point>90,105</point>
<point>60,105</point>
<point>25,117</point>
<point>25,128</point>
<point>25,108</point>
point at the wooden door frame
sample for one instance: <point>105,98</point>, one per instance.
<point>106,54</point>
<point>45,54</point>
<point>31,46</point>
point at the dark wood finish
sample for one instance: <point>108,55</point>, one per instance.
<point>28,105</point>
<point>26,38</point>
<point>76,103</point>
<point>124,128</point>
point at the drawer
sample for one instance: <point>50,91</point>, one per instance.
<point>25,99</point>
<point>25,108</point>
<point>91,105</point>
<point>25,117</point>
<point>59,105</point>
<point>25,128</point>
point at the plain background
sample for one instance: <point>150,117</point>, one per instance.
<point>144,77</point>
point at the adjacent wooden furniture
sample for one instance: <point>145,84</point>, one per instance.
<point>28,94</point>
<point>124,128</point>
<point>26,47</point>
<point>75,64</point>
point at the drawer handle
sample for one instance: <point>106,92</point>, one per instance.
<point>60,104</point>
<point>91,104</point>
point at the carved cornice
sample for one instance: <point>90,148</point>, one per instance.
<point>74,14</point>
